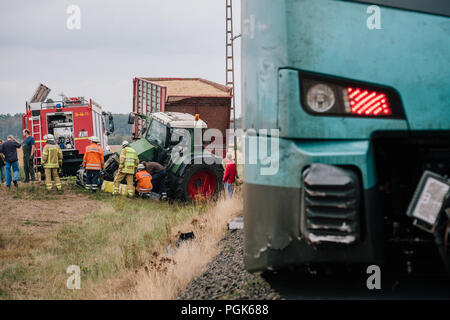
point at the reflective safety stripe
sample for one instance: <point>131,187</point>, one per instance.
<point>93,166</point>
<point>143,190</point>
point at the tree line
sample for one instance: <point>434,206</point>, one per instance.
<point>12,124</point>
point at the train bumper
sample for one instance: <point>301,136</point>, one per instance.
<point>276,231</point>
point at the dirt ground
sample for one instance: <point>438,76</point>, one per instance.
<point>25,222</point>
<point>38,216</point>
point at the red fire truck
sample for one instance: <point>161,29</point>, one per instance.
<point>72,121</point>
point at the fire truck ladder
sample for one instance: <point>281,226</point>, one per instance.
<point>229,65</point>
<point>36,133</point>
<point>39,95</point>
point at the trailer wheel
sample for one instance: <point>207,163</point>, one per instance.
<point>200,182</point>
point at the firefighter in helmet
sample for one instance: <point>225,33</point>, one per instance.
<point>52,160</point>
<point>127,168</point>
<point>93,162</point>
<point>144,181</point>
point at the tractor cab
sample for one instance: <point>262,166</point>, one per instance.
<point>165,131</point>
<point>169,138</point>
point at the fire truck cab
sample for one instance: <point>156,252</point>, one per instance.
<point>72,121</point>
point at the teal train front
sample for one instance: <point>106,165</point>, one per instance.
<point>359,98</point>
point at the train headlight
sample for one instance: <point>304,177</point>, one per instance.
<point>320,98</point>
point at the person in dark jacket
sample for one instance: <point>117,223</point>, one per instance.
<point>9,149</point>
<point>159,176</point>
<point>28,156</point>
<point>229,176</point>
<point>2,164</point>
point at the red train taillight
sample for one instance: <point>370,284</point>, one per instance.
<point>367,103</point>
<point>322,95</point>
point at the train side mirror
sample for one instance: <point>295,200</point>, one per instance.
<point>131,118</point>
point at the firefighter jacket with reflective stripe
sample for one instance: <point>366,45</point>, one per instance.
<point>144,181</point>
<point>52,156</point>
<point>128,160</point>
<point>93,157</point>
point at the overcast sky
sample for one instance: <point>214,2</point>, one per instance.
<point>118,40</point>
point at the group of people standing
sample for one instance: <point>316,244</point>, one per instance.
<point>9,160</point>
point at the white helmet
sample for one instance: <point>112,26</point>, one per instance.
<point>94,139</point>
<point>140,167</point>
<point>49,137</point>
<point>125,143</point>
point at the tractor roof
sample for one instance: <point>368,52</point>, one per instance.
<point>178,120</point>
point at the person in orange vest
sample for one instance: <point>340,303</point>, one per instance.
<point>144,181</point>
<point>93,162</point>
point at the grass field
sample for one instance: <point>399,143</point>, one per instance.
<point>116,242</point>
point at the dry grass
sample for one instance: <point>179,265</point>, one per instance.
<point>118,243</point>
<point>20,156</point>
<point>165,276</point>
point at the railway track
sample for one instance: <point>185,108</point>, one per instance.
<point>292,285</point>
<point>226,278</point>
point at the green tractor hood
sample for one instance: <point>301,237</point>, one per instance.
<point>144,149</point>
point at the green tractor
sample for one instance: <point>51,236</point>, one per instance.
<point>193,172</point>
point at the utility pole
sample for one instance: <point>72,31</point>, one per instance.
<point>229,66</point>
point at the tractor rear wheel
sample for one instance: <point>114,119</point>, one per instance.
<point>200,182</point>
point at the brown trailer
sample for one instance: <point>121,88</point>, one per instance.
<point>212,101</point>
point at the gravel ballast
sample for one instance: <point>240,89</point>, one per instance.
<point>226,277</point>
